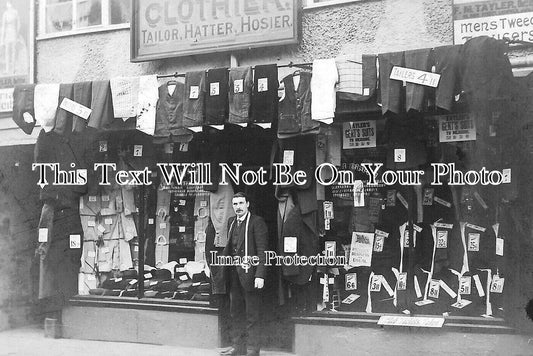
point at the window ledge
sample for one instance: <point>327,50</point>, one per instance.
<point>84,31</point>
<point>329,3</point>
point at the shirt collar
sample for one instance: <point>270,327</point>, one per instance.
<point>243,218</point>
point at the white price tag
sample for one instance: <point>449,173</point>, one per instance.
<point>351,281</point>
<point>375,284</point>
<point>147,275</point>
<point>181,229</point>
<point>499,246</point>
<point>330,248</point>
<point>351,298</point>
<point>399,155</point>
<point>194,92</point>
<point>92,198</point>
<point>105,197</point>
<point>442,202</point>
<point>163,225</point>
<point>465,285</point>
<point>184,277</point>
<point>415,76</point>
<point>108,221</point>
<point>506,175</point>
<point>102,146</point>
<point>75,108</point>
<point>238,86</point>
<point>43,235</point>
<point>379,241</point>
<point>101,229</point>
<point>203,203</point>
<point>497,284</point>
<point>442,239</point>
<point>288,157</point>
<point>473,242</point>
<point>290,244</point>
<point>150,221</point>
<point>214,89</point>
<point>182,261</point>
<point>434,289</point>
<point>182,202</point>
<point>262,85</point>
<point>75,241</point>
<point>402,281</point>
<point>137,150</point>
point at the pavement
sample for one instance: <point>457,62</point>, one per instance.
<point>31,341</point>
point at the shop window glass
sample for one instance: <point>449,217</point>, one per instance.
<point>71,15</point>
<point>120,11</point>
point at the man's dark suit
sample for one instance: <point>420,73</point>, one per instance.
<point>244,298</point>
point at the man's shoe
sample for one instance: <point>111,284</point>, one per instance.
<point>253,352</point>
<point>233,351</point>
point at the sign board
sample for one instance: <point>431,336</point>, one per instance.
<point>511,19</point>
<point>415,76</point>
<point>423,322</point>
<point>16,49</point>
<point>359,134</point>
<point>456,127</point>
<point>164,29</point>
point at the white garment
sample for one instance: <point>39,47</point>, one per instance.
<point>147,101</point>
<point>323,95</point>
<point>350,74</point>
<point>125,95</point>
<point>46,101</point>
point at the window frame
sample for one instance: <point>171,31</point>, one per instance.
<point>103,27</point>
<point>310,4</point>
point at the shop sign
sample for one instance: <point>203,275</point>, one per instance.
<point>359,134</point>
<point>164,28</point>
<point>456,127</point>
<point>422,322</point>
<point>415,76</point>
<point>510,19</point>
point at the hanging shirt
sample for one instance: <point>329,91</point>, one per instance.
<point>146,110</point>
<point>324,100</point>
<point>125,94</point>
<point>46,103</point>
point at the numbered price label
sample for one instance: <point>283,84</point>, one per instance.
<point>75,241</point>
<point>465,285</point>
<point>473,242</point>
<point>214,89</point>
<point>428,196</point>
<point>415,76</point>
<point>351,281</point>
<point>497,284</point>
<point>442,239</point>
<point>434,289</point>
<point>375,283</point>
<point>102,146</point>
<point>391,197</point>
<point>402,281</point>
<point>194,92</point>
<point>262,85</point>
<point>379,241</point>
<point>238,86</point>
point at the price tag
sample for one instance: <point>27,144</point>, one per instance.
<point>183,261</point>
<point>132,282</point>
<point>194,92</point>
<point>351,281</point>
<point>506,175</point>
<point>415,76</point>
<point>288,157</point>
<point>75,108</point>
<point>461,304</point>
<point>497,284</point>
<point>75,241</point>
<point>184,147</point>
<point>135,248</point>
<point>442,239</point>
<point>351,298</point>
<point>465,285</point>
<point>214,89</point>
<point>137,150</point>
<point>181,228</point>
<point>328,210</point>
<point>375,284</point>
<point>92,198</point>
<point>91,277</point>
<point>184,277</point>
<point>379,241</point>
<point>417,228</point>
<point>105,197</point>
<point>196,284</point>
<point>238,86</point>
<point>434,289</point>
<point>262,85</point>
<point>473,242</point>
<point>475,227</point>
<point>101,229</point>
<point>402,281</point>
<point>499,246</point>
<point>182,202</point>
<point>102,146</point>
<point>381,233</point>
<point>290,244</point>
<point>399,155</point>
<point>91,253</point>
<point>150,221</point>
<point>203,203</point>
<point>108,221</point>
<point>406,239</point>
<point>43,235</point>
<point>330,248</point>
<point>428,196</point>
<point>153,283</point>
<point>442,202</point>
<point>180,270</point>
<point>147,275</point>
<point>162,225</point>
<point>421,303</point>
<point>443,225</point>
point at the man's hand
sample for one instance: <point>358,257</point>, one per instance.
<point>259,283</point>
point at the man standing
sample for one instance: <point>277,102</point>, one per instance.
<point>247,236</point>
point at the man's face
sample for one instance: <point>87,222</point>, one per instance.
<point>240,206</point>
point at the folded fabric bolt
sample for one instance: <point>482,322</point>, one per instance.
<point>204,297</point>
<point>199,277</point>
<point>150,293</point>
<point>166,286</point>
<point>130,273</point>
<point>204,287</point>
<point>129,293</point>
<point>182,295</point>
<point>113,292</point>
<point>185,285</point>
<point>97,291</point>
<point>45,105</point>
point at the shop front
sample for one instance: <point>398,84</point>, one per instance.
<point>394,185</point>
